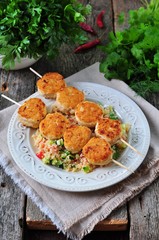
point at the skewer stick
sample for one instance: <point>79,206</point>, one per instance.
<point>121,165</point>
<point>31,69</point>
<point>11,100</point>
<point>134,149</point>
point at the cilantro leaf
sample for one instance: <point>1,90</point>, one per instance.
<point>132,55</point>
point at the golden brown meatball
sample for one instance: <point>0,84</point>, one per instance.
<point>53,126</point>
<point>98,151</point>
<point>109,129</point>
<point>87,113</point>
<point>76,137</point>
<point>32,112</point>
<point>68,98</point>
<point>50,84</point>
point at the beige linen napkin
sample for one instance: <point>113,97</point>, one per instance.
<point>86,208</point>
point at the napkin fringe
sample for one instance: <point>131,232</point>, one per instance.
<point>99,218</point>
<point>21,183</point>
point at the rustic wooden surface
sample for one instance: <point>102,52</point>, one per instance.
<point>11,207</point>
<point>35,219</point>
<point>142,212</point>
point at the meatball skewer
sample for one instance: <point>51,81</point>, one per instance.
<point>31,112</point>
<point>98,152</point>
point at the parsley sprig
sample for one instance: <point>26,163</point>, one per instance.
<point>132,54</point>
<point>36,28</point>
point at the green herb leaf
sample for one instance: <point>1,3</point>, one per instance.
<point>37,27</point>
<point>132,55</point>
<point>86,169</point>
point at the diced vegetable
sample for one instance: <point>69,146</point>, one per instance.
<point>86,169</point>
<point>40,155</point>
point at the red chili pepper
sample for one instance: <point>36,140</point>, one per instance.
<point>100,19</point>
<point>40,155</point>
<point>87,45</point>
<point>87,28</point>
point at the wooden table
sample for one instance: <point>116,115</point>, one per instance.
<point>19,217</point>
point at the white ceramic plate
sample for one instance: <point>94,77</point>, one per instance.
<point>22,150</point>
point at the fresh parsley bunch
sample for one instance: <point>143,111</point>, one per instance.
<point>133,54</point>
<point>33,28</point>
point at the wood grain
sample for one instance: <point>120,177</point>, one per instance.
<point>123,6</point>
<point>144,209</point>
<point>11,207</point>
<point>35,219</point>
<point>144,214</point>
<point>105,225</point>
<point>95,235</point>
<point>18,85</point>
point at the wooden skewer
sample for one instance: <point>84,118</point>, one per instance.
<point>121,165</point>
<point>134,149</point>
<point>35,72</point>
<point>11,100</point>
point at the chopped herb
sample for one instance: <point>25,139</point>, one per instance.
<point>60,142</point>
<point>51,142</point>
<point>67,152</point>
<point>110,112</point>
<point>86,169</point>
<point>113,116</point>
<point>56,162</point>
<point>117,152</point>
<point>46,160</point>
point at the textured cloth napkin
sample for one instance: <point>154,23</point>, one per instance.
<point>86,208</point>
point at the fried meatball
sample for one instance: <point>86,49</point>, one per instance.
<point>53,126</point>
<point>87,113</point>
<point>109,129</point>
<point>76,137</point>
<point>50,84</point>
<point>98,151</point>
<point>68,98</point>
<point>32,112</point>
